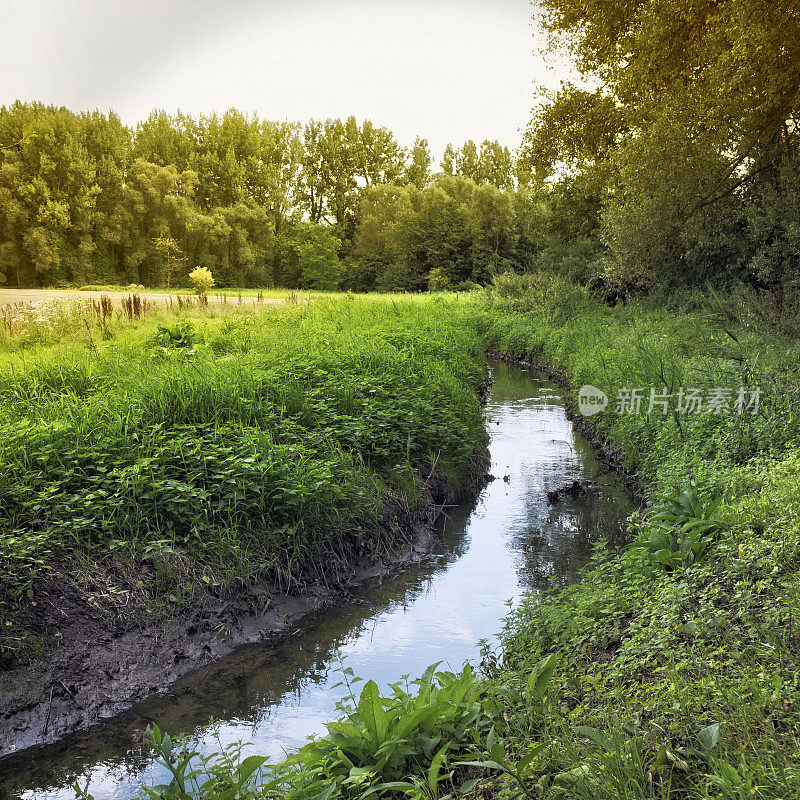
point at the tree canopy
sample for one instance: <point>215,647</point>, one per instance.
<point>684,126</point>
<point>85,199</point>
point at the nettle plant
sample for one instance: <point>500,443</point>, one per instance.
<point>681,532</point>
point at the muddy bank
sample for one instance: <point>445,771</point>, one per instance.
<point>99,655</point>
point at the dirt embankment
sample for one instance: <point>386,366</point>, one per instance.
<point>100,656</point>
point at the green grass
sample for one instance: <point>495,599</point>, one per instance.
<point>657,645</point>
<point>675,663</point>
<point>226,448</point>
<point>669,671</point>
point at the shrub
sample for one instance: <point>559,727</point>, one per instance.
<point>202,280</point>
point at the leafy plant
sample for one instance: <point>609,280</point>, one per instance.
<point>384,745</point>
<point>221,776</point>
<point>180,336</point>
<point>202,280</point>
<point>681,533</point>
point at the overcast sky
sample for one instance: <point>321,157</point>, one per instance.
<point>449,70</point>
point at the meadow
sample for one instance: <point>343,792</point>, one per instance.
<point>206,447</point>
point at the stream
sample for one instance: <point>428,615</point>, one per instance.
<point>508,541</point>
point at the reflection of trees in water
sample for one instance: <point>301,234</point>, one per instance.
<point>243,686</point>
<point>560,540</point>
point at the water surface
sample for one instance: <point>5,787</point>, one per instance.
<point>508,541</point>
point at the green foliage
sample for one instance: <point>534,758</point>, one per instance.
<point>447,235</point>
<point>222,776</point>
<point>202,280</point>
<point>490,164</point>
<point>84,199</point>
<point>686,143</point>
<point>680,534</point>
<point>677,659</point>
<point>171,256</point>
<point>255,446</point>
<point>421,741</point>
<point>310,258</point>
<point>381,745</point>
<point>180,336</point>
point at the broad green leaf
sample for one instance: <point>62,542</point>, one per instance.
<point>248,767</point>
<point>435,767</point>
<point>709,736</point>
<point>540,677</point>
<point>370,711</point>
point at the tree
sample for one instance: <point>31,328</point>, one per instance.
<point>172,258</point>
<point>495,165</point>
<point>383,211</point>
<point>494,211</point>
<point>418,167</point>
<point>313,254</point>
<point>448,164</point>
<point>698,102</point>
<point>773,231</point>
<point>491,164</point>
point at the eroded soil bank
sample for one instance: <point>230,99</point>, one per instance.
<point>97,656</point>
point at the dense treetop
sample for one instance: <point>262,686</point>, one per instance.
<point>685,134</point>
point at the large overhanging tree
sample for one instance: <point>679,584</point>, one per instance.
<point>686,109</point>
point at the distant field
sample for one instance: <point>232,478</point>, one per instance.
<point>226,291</point>
<point>117,294</point>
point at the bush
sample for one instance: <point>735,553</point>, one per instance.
<point>202,280</point>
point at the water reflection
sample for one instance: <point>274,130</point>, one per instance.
<point>509,541</point>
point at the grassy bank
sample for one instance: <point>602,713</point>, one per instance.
<point>158,458</point>
<point>669,671</point>
<point>677,663</point>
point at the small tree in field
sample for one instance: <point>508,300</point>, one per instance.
<point>202,280</point>
<point>172,257</point>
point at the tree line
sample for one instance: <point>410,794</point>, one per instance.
<point>673,162</point>
<point>85,199</point>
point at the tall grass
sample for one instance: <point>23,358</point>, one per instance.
<point>234,447</point>
<point>670,670</point>
<point>677,669</point>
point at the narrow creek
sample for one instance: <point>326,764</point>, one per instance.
<point>508,541</point>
